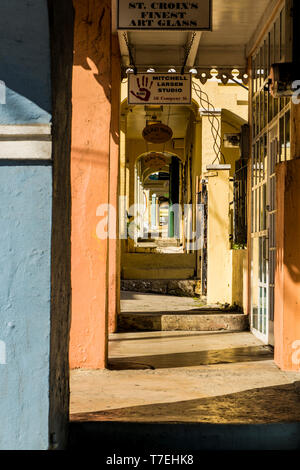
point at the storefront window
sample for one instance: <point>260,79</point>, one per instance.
<point>277,39</point>
<point>288,135</point>
<point>271,145</point>
<point>282,140</point>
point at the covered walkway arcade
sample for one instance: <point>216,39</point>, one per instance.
<point>87,159</point>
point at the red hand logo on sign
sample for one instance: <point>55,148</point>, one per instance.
<point>144,92</point>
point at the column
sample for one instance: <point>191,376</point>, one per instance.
<point>197,166</point>
<point>123,194</point>
<point>208,154</point>
<point>114,188</point>
<point>174,197</point>
<point>90,166</point>
<point>219,264</point>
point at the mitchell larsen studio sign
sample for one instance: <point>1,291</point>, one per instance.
<point>157,88</point>
<point>149,15</point>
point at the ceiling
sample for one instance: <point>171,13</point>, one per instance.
<point>234,24</point>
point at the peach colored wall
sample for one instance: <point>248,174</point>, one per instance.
<point>287,277</point>
<point>90,181</point>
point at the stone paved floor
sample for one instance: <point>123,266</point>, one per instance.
<point>187,377</point>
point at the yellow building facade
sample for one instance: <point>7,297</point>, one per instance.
<point>198,143</point>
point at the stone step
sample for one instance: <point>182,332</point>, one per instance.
<point>160,241</point>
<point>159,260</point>
<point>186,288</point>
<point>155,273</point>
<point>167,242</point>
<point>198,320</point>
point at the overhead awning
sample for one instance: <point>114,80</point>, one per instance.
<point>224,49</point>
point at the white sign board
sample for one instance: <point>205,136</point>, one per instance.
<point>168,15</point>
<point>156,88</point>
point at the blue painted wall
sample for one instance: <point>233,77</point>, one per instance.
<point>25,231</point>
<point>25,61</point>
<point>25,242</point>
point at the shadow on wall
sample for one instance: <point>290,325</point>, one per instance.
<point>93,27</point>
<point>25,62</point>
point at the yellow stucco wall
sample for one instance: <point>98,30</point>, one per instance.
<point>239,278</point>
<point>226,273</point>
<point>219,267</point>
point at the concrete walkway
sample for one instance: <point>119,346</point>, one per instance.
<point>137,302</point>
<point>189,377</point>
<point>184,392</point>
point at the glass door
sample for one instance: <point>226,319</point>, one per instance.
<point>271,207</point>
<point>263,246</point>
<point>259,240</point>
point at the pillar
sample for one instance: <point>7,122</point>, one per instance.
<point>114,190</point>
<point>208,154</point>
<point>90,167</point>
<point>287,274</point>
<point>122,185</point>
<point>219,264</point>
<point>153,212</point>
<point>197,171</point>
<point>174,197</point>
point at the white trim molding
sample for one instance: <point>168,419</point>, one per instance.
<point>26,142</point>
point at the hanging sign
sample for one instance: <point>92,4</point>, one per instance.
<point>167,15</point>
<point>157,133</point>
<point>156,88</point>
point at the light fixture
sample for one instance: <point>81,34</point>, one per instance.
<point>171,71</point>
<point>129,70</point>
<point>151,70</point>
<point>193,71</point>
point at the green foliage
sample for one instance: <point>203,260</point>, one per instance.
<point>236,246</point>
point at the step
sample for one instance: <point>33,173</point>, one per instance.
<point>155,273</point>
<point>163,242</point>
<point>180,288</point>
<point>159,260</point>
<point>198,320</point>
<point>146,245</point>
